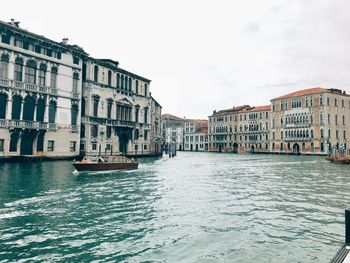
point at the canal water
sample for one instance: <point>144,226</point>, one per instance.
<point>196,207</point>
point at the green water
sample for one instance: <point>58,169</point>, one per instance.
<point>197,207</point>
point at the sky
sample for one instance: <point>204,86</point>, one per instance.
<point>205,55</point>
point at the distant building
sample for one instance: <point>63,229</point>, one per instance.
<point>196,135</point>
<point>156,128</point>
<point>239,129</point>
<point>310,121</point>
<point>40,92</point>
<point>173,131</point>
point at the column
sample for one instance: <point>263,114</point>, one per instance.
<point>22,106</point>
<point>46,115</point>
<point>9,106</point>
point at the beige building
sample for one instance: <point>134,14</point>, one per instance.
<point>40,91</point>
<point>119,115</point>
<point>240,129</point>
<point>310,121</point>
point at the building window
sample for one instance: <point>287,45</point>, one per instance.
<point>136,134</point>
<point>94,146</point>
<point>335,102</point>
<point>146,88</point>
<point>109,78</point>
<point>145,116</point>
<point>53,78</point>
<point>94,130</point>
<point>336,119</point>
<point>145,147</point>
<point>336,134</point>
<point>30,72</point>
<point>73,145</point>
<point>130,85</point>
<point>118,80</point>
<point>1,145</point>
<point>96,73</point>
<point>42,75</point>
<point>109,108</point>
<point>76,60</point>
<point>95,101</point>
<point>145,135</point>
<point>109,132</point>
<point>74,114</point>
<point>344,135</point>
<point>4,66</point>
<point>52,112</point>
<point>82,131</point>
<point>3,104</point>
<point>75,83</point>
<point>137,110</point>
<point>19,69</point>
<point>137,87</point>
<point>50,146</point>
<point>5,39</point>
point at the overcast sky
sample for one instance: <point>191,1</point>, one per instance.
<point>206,55</point>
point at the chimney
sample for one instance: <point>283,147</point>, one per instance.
<point>65,41</point>
<point>14,23</point>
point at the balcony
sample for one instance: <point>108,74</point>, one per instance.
<point>32,87</point>
<point>297,139</point>
<point>110,122</point>
<point>296,125</point>
<point>74,128</point>
<point>34,125</point>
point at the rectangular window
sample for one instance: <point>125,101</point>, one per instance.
<point>5,39</point>
<point>109,132</point>
<point>1,145</point>
<point>73,145</point>
<point>336,134</point>
<point>344,135</point>
<point>38,49</point>
<point>94,146</point>
<point>25,45</point>
<point>145,116</point>
<point>53,82</point>
<point>76,60</point>
<point>336,119</point>
<point>58,55</point>
<point>329,134</point>
<point>18,43</point>
<point>145,147</point>
<point>49,52</point>
<point>42,76</point>
<point>145,135</point>
<point>50,146</point>
<point>18,72</point>
<point>146,87</point>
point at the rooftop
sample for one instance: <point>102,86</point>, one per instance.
<point>302,92</point>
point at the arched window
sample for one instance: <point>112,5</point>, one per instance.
<point>126,83</point>
<point>96,73</point>
<point>118,80</point>
<point>52,112</point>
<point>4,66</point>
<point>16,107</point>
<point>75,83</point>
<point>30,73</point>
<point>74,114</point>
<point>122,82</point>
<point>53,82</point>
<point>28,108</point>
<point>42,75</point>
<point>146,88</point>
<point>40,111</point>
<point>19,69</point>
<point>109,78</point>
<point>3,104</point>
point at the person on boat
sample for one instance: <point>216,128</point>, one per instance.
<point>100,160</point>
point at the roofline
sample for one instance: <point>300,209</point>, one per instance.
<point>19,30</point>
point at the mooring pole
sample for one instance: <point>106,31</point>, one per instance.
<point>347,227</point>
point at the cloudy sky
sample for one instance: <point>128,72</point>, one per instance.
<point>206,55</point>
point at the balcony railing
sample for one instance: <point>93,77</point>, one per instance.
<point>32,87</point>
<point>21,124</point>
<point>297,139</point>
<point>297,125</point>
<point>74,128</point>
<point>111,122</point>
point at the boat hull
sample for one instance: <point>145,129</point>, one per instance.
<point>97,167</point>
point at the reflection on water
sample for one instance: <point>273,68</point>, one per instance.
<point>197,207</point>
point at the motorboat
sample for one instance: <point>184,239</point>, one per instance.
<point>107,163</point>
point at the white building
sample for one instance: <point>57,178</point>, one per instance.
<point>196,135</point>
<point>117,111</point>
<point>40,90</point>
